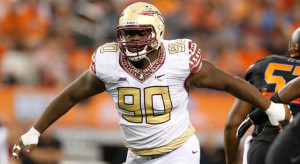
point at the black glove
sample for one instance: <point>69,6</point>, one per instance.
<point>259,129</point>
<point>257,117</point>
<point>244,126</point>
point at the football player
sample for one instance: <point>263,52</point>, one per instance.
<point>269,75</point>
<point>285,149</point>
<point>149,79</point>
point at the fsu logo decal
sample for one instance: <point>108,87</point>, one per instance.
<point>149,12</point>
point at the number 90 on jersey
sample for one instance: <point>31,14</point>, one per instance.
<point>134,107</point>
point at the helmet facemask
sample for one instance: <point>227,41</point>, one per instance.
<point>149,44</point>
<point>147,18</point>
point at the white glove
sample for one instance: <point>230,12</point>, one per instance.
<point>276,113</point>
<point>31,139</point>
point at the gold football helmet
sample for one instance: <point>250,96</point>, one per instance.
<point>141,16</point>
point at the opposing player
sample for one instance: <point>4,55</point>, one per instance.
<point>285,149</point>
<point>269,75</point>
<point>148,79</point>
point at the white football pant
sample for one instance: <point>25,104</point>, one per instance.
<point>188,153</point>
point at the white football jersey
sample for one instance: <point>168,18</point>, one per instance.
<point>152,103</point>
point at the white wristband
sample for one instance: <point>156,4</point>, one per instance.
<point>276,112</point>
<point>31,137</point>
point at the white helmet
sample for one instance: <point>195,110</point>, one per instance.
<point>141,16</point>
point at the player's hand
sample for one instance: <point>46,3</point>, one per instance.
<point>19,147</point>
<point>29,139</point>
<point>279,112</point>
<point>244,126</point>
<point>288,114</point>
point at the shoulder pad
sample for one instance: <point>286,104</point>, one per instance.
<point>108,48</point>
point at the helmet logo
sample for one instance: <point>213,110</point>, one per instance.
<point>294,50</point>
<point>149,12</point>
<point>296,47</point>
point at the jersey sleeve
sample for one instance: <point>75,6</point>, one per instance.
<point>104,60</point>
<point>195,58</point>
<point>254,70</point>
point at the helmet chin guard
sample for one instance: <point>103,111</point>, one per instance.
<point>132,56</point>
<point>140,16</point>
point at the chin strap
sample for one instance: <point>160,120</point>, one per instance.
<point>151,66</point>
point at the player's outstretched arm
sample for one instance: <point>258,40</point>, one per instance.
<point>237,114</point>
<point>84,87</point>
<point>210,76</point>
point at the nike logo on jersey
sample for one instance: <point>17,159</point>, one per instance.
<point>194,152</point>
<point>122,79</point>
<point>159,76</point>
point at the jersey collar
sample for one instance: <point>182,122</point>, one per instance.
<point>138,74</point>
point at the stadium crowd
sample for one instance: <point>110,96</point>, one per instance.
<point>50,42</point>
